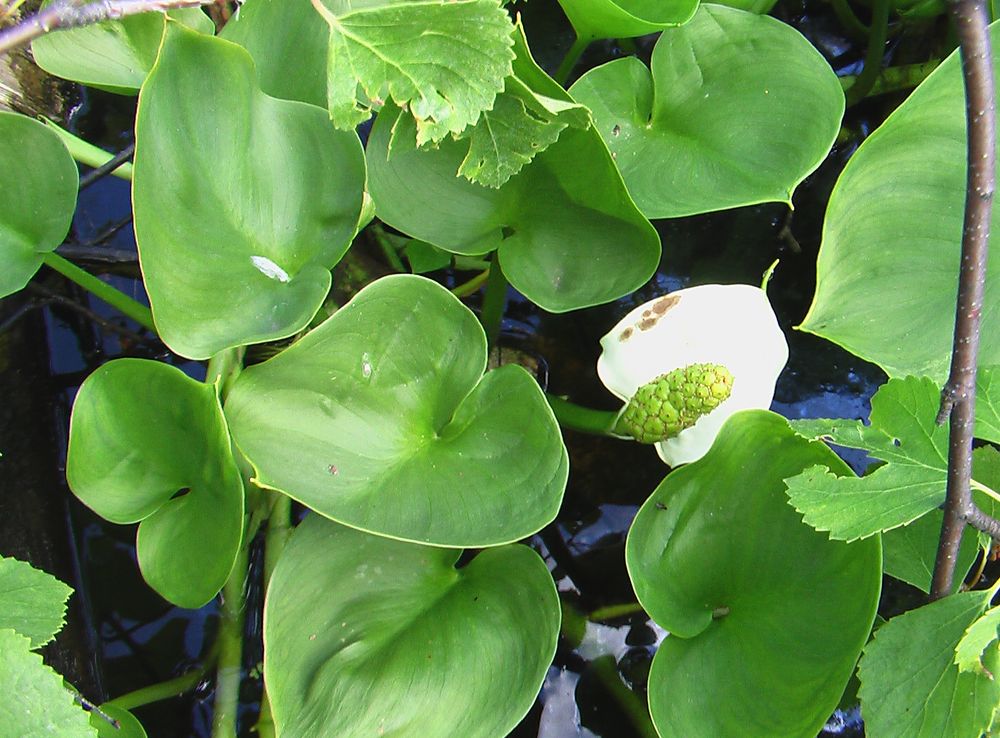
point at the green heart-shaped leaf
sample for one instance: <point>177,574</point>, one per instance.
<point>767,617</point>
<point>738,110</point>
<point>565,229</point>
<point>128,726</point>
<point>364,636</point>
<point>593,19</point>
<point>888,266</point>
<point>148,443</point>
<point>236,245</point>
<point>283,35</point>
<point>115,55</point>
<point>32,602</point>
<point>381,419</point>
<point>39,182</point>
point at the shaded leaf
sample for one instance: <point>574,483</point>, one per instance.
<point>594,19</point>
<point>128,726</point>
<point>909,551</point>
<point>114,55</point>
<point>365,636</point>
<point>147,443</point>
<point>39,196</point>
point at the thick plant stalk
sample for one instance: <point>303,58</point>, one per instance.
<point>74,13</point>
<point>958,398</point>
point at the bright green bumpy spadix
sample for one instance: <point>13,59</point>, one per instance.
<point>674,401</point>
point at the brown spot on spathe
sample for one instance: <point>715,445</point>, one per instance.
<point>657,310</point>
<point>625,335</point>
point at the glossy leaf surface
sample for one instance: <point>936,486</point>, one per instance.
<point>281,35</point>
<point>32,602</point>
<point>147,443</point>
<point>911,686</point>
<point>593,19</point>
<point>269,188</point>
<point>565,229</point>
<point>365,636</point>
<point>128,726</point>
<point>381,419</point>
<point>888,266</point>
<point>383,48</point>
<point>903,433</point>
<point>37,703</point>
<point>39,180</point>
<point>115,55</point>
<point>736,109</point>
<point>720,560</point>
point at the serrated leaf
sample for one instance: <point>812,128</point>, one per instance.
<point>910,684</point>
<point>970,652</point>
<point>444,62</point>
<point>35,704</point>
<point>521,124</point>
<point>32,602</point>
<point>903,433</point>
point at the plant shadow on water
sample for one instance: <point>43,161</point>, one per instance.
<point>599,673</point>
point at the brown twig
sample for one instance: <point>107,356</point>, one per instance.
<point>75,13</point>
<point>958,398</point>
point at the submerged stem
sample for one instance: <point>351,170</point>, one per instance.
<point>104,291</point>
<point>170,688</point>
<point>494,303</point>
<point>873,57</point>
<point>229,671</point>
<point>572,57</point>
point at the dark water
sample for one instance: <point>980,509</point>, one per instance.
<point>143,640</point>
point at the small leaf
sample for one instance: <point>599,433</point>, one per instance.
<point>910,684</point>
<point>444,62</point>
<point>114,55</point>
<point>35,704</point>
<point>128,726</point>
<point>39,183</point>
<point>268,185</point>
<point>382,419</point>
<point>736,109</point>
<point>425,257</point>
<point>978,637</point>
<point>364,636</point>
<point>594,19</point>
<point>32,602</point>
<point>147,443</point>
<point>903,432</point>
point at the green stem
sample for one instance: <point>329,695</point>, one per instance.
<point>857,30</point>
<point>170,688</point>
<point>472,286</point>
<point>572,57</point>
<point>606,670</point>
<point>610,612</point>
<point>876,51</point>
<point>224,368</point>
<point>279,528</point>
<point>494,303</point>
<point>87,153</point>
<point>229,670</point>
<point>895,79</point>
<point>582,419</point>
<point>104,291</point>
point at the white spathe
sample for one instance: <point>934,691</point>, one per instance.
<point>732,325</point>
